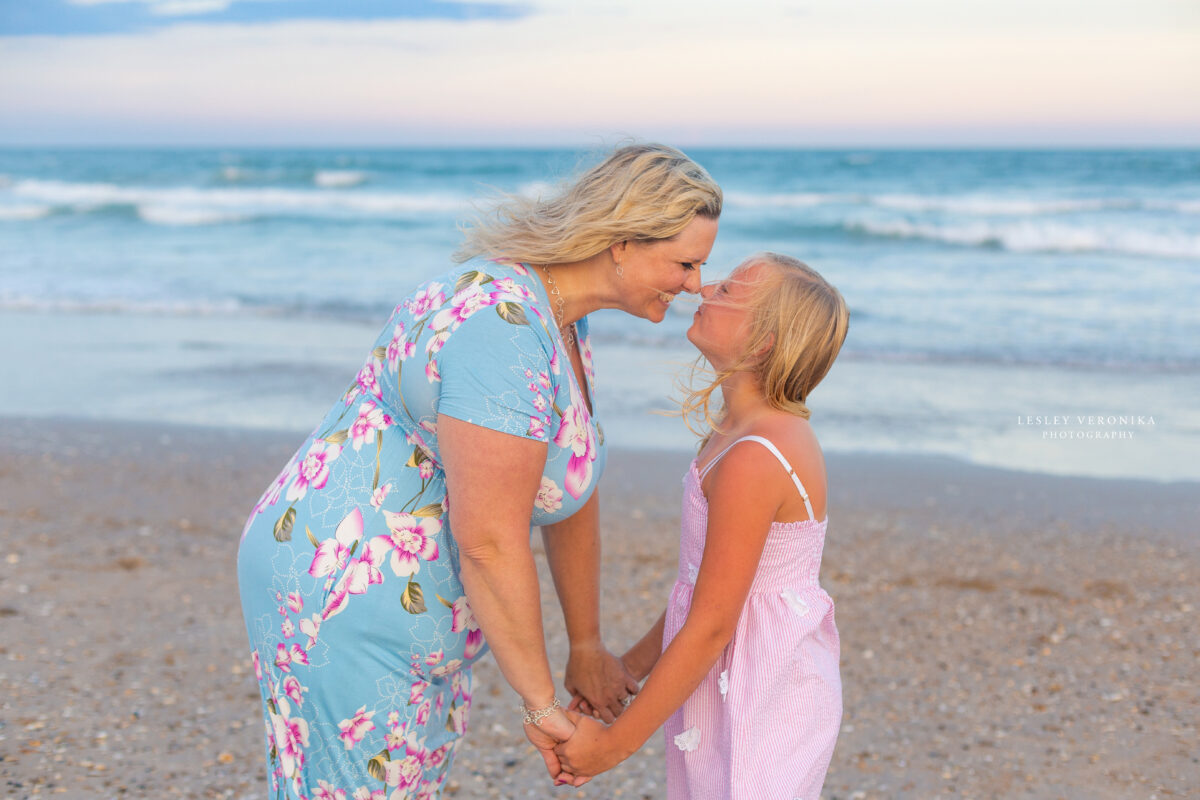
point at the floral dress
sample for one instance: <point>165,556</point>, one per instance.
<point>362,639</point>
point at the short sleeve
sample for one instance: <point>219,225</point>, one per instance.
<point>495,372</point>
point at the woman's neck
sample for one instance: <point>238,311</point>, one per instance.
<point>585,286</point>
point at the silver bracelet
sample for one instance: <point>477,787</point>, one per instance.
<point>534,716</point>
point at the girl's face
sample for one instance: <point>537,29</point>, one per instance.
<point>721,326</point>
<point>654,272</point>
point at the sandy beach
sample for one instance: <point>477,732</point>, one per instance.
<point>1004,634</point>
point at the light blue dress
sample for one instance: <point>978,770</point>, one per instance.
<point>361,635</point>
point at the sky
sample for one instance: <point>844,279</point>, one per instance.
<point>578,72</point>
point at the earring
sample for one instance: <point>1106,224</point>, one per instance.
<point>620,271</point>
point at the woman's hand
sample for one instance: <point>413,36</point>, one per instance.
<point>590,750</point>
<point>598,681</point>
<point>553,730</point>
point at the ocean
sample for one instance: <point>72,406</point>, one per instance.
<point>1037,310</point>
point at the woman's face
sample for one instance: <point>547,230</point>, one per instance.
<point>721,325</point>
<point>654,272</point>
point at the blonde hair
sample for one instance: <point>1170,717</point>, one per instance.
<point>640,192</point>
<point>798,322</point>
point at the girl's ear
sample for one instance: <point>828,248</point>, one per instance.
<point>766,348</point>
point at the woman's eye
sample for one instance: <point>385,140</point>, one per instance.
<point>688,265</point>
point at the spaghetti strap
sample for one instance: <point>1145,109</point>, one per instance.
<point>767,443</point>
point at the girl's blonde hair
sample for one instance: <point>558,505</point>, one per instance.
<point>798,322</point>
<point>639,192</point>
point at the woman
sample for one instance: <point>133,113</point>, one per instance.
<point>397,538</point>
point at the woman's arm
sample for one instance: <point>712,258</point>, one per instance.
<point>573,553</point>
<point>492,479</point>
<point>746,493</point>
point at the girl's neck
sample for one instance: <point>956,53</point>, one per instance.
<point>743,401</point>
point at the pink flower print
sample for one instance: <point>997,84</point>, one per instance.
<point>397,349</point>
<point>257,665</point>
<point>326,791</point>
<point>370,419</point>
<point>395,738</point>
<point>291,737</point>
<point>549,497</point>
<point>435,657</point>
<point>295,602</point>
<point>285,657</point>
<point>332,554</point>
<point>554,363</point>
<point>425,300</point>
<point>456,720</point>
<point>466,302</point>
<point>411,539</point>
<point>314,469</point>
<point>379,495</point>
<point>294,691</point>
<point>437,707</point>
<point>537,428</point>
<point>460,686</point>
<point>363,793</point>
<point>575,433</point>
<point>271,495</point>
<point>543,379</point>
<point>368,378</point>
<point>434,343</point>
<point>519,269</point>
<point>539,402</point>
<point>423,712</point>
<point>432,373</point>
<point>393,718</point>
<point>425,469</point>
<point>354,729</point>
<point>585,355</point>
<point>437,756</point>
<point>417,692</point>
<point>359,575</point>
<point>446,669</point>
<point>405,772</point>
<point>287,628</point>
<point>310,628</point>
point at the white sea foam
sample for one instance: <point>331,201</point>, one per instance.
<point>338,178</point>
<point>119,305</point>
<point>986,205</point>
<point>194,205</point>
<point>23,213</point>
<point>186,215</point>
<point>785,199</point>
<point>1028,237</point>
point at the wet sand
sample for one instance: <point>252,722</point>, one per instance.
<point>1004,634</point>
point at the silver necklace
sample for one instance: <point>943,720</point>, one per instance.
<point>560,313</point>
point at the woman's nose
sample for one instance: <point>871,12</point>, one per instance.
<point>693,283</point>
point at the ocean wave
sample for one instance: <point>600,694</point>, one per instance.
<point>338,178</point>
<point>787,199</point>
<point>985,205</point>
<point>1033,237</point>
<point>120,305</point>
<point>24,213</point>
<point>214,206</point>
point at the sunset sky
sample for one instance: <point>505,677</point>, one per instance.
<point>572,72</point>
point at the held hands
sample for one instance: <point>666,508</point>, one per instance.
<point>599,682</point>
<point>590,750</point>
<point>548,733</point>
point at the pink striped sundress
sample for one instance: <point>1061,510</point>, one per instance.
<point>763,722</point>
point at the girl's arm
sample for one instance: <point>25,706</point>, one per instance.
<point>642,657</point>
<point>492,479</point>
<point>573,553</point>
<point>745,495</point>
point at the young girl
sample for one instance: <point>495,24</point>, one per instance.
<point>748,671</point>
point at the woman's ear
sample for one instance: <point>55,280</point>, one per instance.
<point>617,250</point>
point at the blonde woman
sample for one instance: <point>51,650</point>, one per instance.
<point>393,550</point>
<point>743,664</point>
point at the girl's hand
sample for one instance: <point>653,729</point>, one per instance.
<point>590,750</point>
<point>598,681</point>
